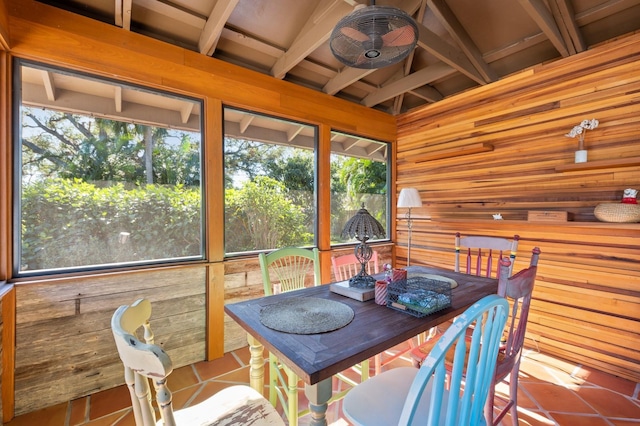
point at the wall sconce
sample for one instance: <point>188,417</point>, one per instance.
<point>362,226</point>
<point>409,198</point>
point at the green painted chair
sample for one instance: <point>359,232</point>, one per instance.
<point>284,270</point>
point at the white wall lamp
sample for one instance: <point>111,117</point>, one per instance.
<point>409,198</point>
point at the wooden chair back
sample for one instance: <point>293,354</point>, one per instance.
<point>144,361</point>
<point>347,266</point>
<point>285,270</point>
<point>479,252</point>
<point>289,269</point>
<point>518,290</point>
<point>462,401</point>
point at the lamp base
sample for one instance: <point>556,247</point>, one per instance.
<point>362,281</point>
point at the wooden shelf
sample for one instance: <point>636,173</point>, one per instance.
<point>602,164</point>
<point>454,152</point>
<point>568,224</point>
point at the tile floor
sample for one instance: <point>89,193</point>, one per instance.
<point>552,392</point>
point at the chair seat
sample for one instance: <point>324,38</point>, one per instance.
<point>235,405</point>
<point>390,389</point>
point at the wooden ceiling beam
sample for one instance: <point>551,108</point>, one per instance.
<point>314,33</point>
<point>408,62</point>
<point>427,93</point>
<point>448,19</point>
<point>447,53</point>
<point>539,12</point>
<point>344,78</point>
<point>215,23</point>
<point>122,16</point>
<point>49,85</point>
<point>563,11</point>
<point>410,82</point>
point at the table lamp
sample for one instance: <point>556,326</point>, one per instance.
<point>362,226</point>
<point>409,198</point>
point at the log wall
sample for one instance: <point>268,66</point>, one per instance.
<point>586,304</point>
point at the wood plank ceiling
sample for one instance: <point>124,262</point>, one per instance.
<point>462,44</point>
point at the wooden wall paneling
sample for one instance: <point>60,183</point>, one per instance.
<point>588,287</point>
<point>7,350</point>
<point>215,311</point>
<point>243,280</point>
<point>5,42</point>
<point>5,166</point>
<point>63,331</point>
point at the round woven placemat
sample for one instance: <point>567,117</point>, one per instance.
<point>306,315</point>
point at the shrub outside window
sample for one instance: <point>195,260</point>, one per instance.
<point>360,175</point>
<point>270,182</point>
<point>107,174</point>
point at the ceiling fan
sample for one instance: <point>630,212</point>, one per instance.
<point>374,37</point>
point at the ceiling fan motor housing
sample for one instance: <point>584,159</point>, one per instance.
<point>374,37</point>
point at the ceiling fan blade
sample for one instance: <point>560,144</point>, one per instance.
<point>354,34</point>
<point>399,37</point>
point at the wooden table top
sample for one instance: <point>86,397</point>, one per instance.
<point>374,329</point>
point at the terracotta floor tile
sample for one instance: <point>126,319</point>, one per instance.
<point>126,420</point>
<point>552,392</point>
<point>109,401</point>
<point>182,377</point>
<point>530,418</point>
<point>182,397</point>
<point>50,416</point>
<point>107,420</point>
<point>240,376</point>
<point>609,403</point>
<point>243,355</point>
<point>209,389</point>
<point>616,422</point>
<point>618,384</point>
<point>557,398</point>
<point>502,394</point>
<point>79,411</point>
<point>211,369</point>
<point>575,419</point>
<point>536,367</point>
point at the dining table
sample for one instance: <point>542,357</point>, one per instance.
<point>316,358</point>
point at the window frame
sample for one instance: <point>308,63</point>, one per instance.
<point>389,176</point>
<point>17,165</point>
<point>316,142</point>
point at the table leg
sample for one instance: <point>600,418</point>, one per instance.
<point>256,364</point>
<point>318,396</point>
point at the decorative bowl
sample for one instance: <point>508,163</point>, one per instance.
<point>617,212</point>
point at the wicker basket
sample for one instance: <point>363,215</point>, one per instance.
<point>617,212</point>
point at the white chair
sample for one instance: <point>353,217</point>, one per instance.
<point>409,396</point>
<point>236,405</point>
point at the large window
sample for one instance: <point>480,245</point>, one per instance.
<point>360,175</point>
<point>106,174</point>
<point>270,174</point>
